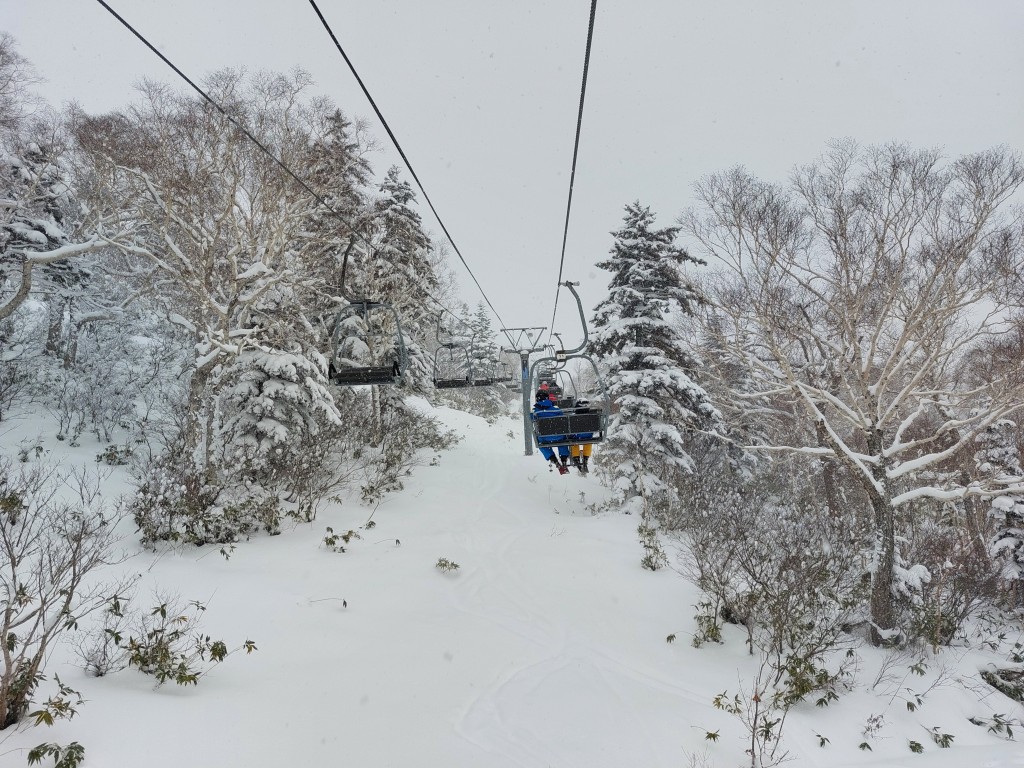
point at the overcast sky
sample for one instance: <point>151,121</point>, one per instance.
<point>483,95</point>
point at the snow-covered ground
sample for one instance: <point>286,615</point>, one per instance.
<point>545,648</point>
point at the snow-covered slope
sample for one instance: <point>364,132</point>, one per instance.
<point>546,647</point>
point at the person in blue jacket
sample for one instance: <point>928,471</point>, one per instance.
<point>544,407</point>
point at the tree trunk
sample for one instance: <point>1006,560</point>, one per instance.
<point>55,329</point>
<point>7,309</point>
<point>975,514</point>
<point>377,404</point>
<point>195,439</point>
<point>883,604</point>
<point>830,476</point>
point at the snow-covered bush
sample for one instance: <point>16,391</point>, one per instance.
<point>406,433</point>
<point>21,353</point>
<point>53,550</point>
<point>489,403</point>
<point>773,560</point>
<point>65,399</point>
<point>175,503</point>
<point>950,583</point>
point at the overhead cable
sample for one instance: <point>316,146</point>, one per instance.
<point>575,154</point>
<point>280,163</point>
<point>401,152</point>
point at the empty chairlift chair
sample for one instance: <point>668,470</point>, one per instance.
<point>452,369</point>
<point>360,334</point>
<point>489,373</point>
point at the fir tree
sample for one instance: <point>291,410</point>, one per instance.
<point>399,269</point>
<point>483,351</point>
<point>998,458</point>
<point>650,371</point>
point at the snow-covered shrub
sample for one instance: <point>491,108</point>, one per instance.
<point>20,357</point>
<point>115,455</point>
<point>103,386</point>
<point>404,436</point>
<point>170,496</point>
<point>53,549</point>
<point>773,560</point>
<point>647,532</point>
<point>177,504</point>
<point>65,400</point>
<point>948,584</point>
<point>489,403</point>
<point>1008,681</point>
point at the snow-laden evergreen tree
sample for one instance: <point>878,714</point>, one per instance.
<point>399,269</point>
<point>339,173</point>
<point>998,458</point>
<point>656,400</point>
<point>483,351</point>
<point>275,403</point>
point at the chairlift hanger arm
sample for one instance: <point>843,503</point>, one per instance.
<point>583,321</point>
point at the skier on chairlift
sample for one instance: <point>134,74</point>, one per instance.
<point>544,407</point>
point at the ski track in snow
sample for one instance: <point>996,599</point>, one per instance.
<point>521,717</point>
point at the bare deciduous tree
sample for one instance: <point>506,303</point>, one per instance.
<point>215,232</point>
<point>50,551</point>
<point>852,302</point>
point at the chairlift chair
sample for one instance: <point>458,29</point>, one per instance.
<point>342,370</point>
<point>452,371</point>
<point>579,424</point>
<point>491,373</point>
<point>347,334</point>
